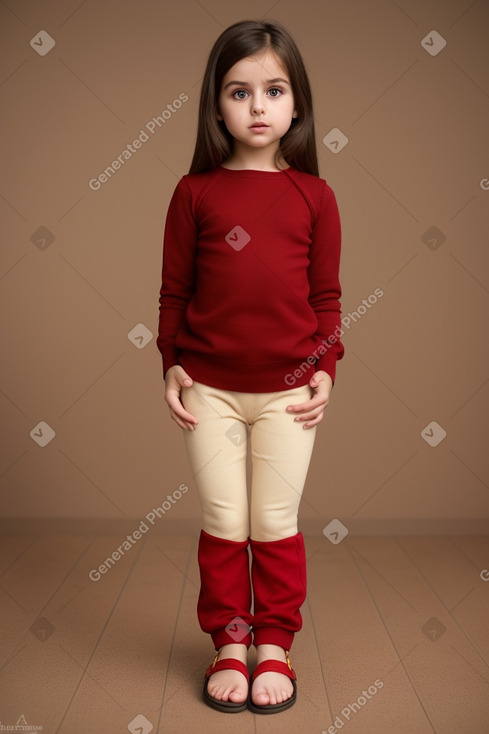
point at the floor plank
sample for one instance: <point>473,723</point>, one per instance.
<point>394,638</point>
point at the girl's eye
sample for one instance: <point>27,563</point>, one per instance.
<point>274,92</point>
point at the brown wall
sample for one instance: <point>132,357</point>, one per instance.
<point>417,159</point>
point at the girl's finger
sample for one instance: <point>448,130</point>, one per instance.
<point>312,413</point>
<point>314,422</point>
<point>178,409</point>
<point>301,407</point>
<point>183,424</point>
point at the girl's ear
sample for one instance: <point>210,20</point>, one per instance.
<point>295,114</point>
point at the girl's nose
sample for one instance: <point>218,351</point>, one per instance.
<point>257,106</point>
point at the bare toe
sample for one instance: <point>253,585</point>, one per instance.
<point>228,685</point>
<point>271,688</point>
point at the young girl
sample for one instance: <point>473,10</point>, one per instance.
<point>249,333</point>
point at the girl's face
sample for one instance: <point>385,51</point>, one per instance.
<point>256,101</point>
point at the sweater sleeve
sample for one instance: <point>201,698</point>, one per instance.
<point>325,289</point>
<point>178,271</point>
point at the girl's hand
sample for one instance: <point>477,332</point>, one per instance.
<point>312,411</point>
<point>175,379</point>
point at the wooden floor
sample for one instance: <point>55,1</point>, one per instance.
<point>395,638</point>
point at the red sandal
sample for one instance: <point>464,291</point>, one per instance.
<point>228,707</point>
<point>274,666</point>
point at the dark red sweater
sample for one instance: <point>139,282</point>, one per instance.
<point>250,288</point>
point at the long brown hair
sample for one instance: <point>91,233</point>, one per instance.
<point>239,41</point>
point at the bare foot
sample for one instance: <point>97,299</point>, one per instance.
<point>270,688</point>
<point>230,685</point>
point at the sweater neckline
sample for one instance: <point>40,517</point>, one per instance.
<point>252,172</point>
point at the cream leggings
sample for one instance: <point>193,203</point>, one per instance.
<point>280,454</point>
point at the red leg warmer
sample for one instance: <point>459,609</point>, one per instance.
<point>224,604</point>
<point>279,580</point>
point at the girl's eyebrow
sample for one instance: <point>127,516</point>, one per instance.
<point>269,81</point>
